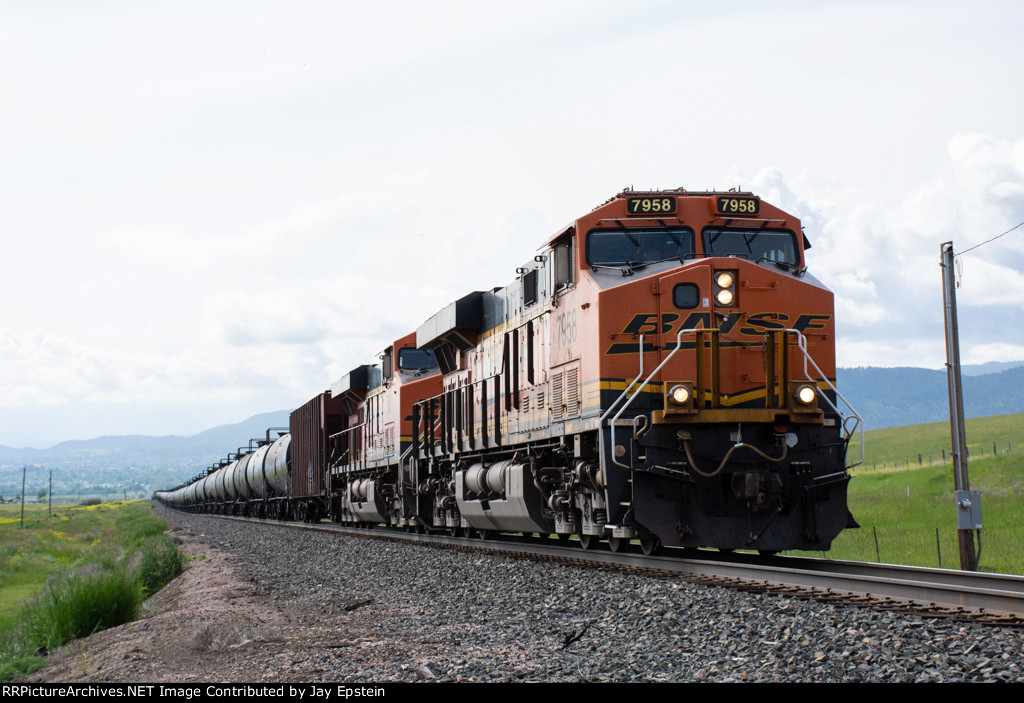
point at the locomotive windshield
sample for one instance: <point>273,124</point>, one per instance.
<point>756,245</point>
<point>607,247</point>
<point>410,359</point>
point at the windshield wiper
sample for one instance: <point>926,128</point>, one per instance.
<point>795,268</point>
<point>626,267</point>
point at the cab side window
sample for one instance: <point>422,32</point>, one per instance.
<point>565,274</point>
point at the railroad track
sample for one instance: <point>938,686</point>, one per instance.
<point>996,599</point>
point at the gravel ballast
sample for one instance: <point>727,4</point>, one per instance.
<point>387,611</point>
<point>263,603</point>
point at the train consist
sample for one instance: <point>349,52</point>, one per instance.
<point>662,371</point>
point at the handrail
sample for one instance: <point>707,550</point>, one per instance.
<point>357,453</point>
<point>439,419</point>
<point>858,425</point>
<point>405,455</point>
<point>347,429</point>
<point>679,337</point>
<point>600,423</point>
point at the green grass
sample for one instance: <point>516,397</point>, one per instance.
<point>84,569</point>
<point>902,446</point>
<point>906,504</point>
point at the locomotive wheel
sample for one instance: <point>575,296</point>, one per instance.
<point>617,544</point>
<point>589,541</point>
<point>650,545</point>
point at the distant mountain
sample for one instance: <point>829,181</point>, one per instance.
<point>893,397</point>
<point>139,460</point>
<point>990,367</point>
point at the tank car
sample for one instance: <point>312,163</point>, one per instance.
<point>252,481</point>
<point>663,370</point>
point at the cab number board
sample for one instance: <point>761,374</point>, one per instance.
<point>649,205</point>
<point>743,206</point>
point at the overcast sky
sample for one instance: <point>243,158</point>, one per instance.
<point>214,209</point>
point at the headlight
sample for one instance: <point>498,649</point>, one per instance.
<point>725,288</point>
<point>680,395</point>
<point>805,394</point>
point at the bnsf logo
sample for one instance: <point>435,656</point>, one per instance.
<point>754,325</point>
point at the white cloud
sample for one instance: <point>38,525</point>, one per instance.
<point>994,351</point>
<point>990,284</point>
<point>42,368</point>
<point>856,284</point>
<point>882,261</point>
<point>858,313</point>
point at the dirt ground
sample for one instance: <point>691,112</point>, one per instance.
<point>214,623</point>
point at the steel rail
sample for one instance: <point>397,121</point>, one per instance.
<point>982,593</point>
<point>999,597</point>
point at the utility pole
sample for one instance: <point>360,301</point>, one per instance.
<point>49,498</point>
<point>23,470</point>
<point>968,502</point>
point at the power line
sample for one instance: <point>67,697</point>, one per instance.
<point>961,253</point>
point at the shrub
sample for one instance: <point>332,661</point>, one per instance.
<point>78,605</point>
<point>159,562</point>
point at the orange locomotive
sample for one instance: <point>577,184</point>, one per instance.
<point>364,478</point>
<point>663,370</point>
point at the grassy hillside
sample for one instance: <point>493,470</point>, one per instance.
<point>902,496</point>
<point>901,446</point>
